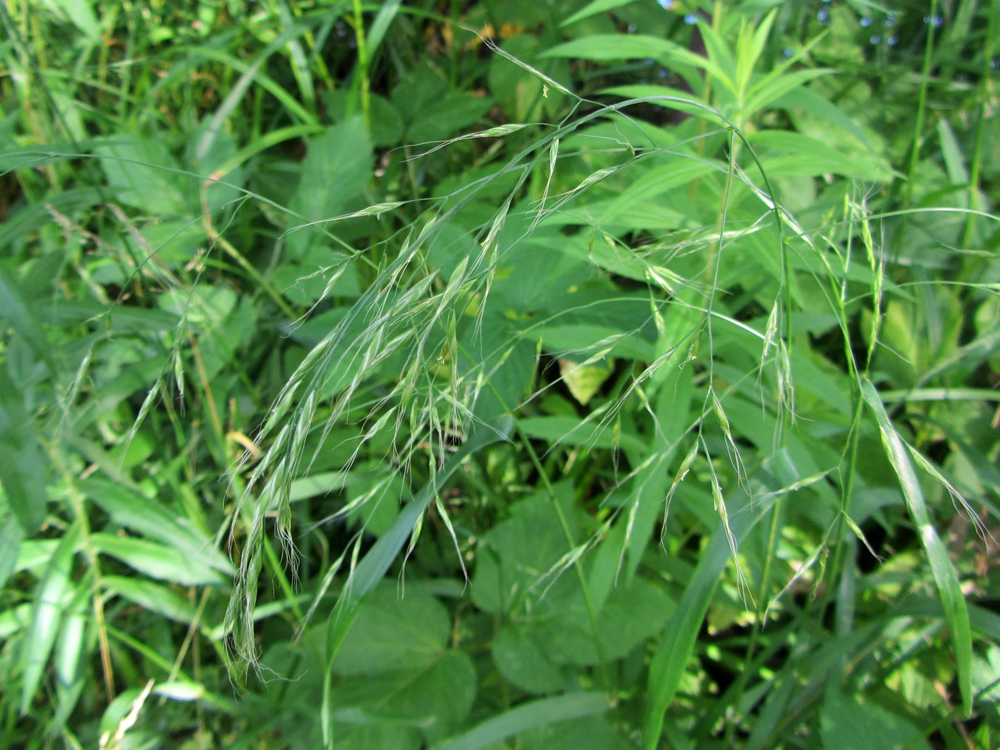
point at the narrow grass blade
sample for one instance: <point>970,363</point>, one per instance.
<point>54,593</point>
<point>381,24</point>
<point>18,313</point>
<point>528,716</point>
<point>377,560</point>
<point>11,537</point>
<point>671,657</point>
<point>374,565</point>
<point>593,8</point>
<point>949,589</point>
<point>239,89</point>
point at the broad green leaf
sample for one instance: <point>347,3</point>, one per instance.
<point>949,588</point>
<point>394,632</point>
<point>631,613</point>
<point>202,305</point>
<point>661,178</point>
<point>749,46</point>
<point>384,736</point>
<point>72,639</point>
<point>852,723</point>
<point>614,215</point>
<point>435,697</point>
<point>144,175</point>
<point>507,570</point>
<point>335,173</point>
<point>721,57</point>
<point>446,117</point>
<point>523,662</point>
<point>381,24</point>
<point>664,96</point>
<point>588,733</point>
<point>386,124</point>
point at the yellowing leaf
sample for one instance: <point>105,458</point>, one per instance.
<point>584,381</point>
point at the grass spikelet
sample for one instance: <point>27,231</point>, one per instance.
<point>682,472</point>
<point>720,507</point>
<point>537,73</point>
<point>147,404</point>
<point>443,512</point>
<point>496,132</point>
<point>279,409</point>
<point>733,450</point>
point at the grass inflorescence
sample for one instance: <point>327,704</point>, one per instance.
<point>481,375</point>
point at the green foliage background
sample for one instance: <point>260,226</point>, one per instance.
<point>532,374</point>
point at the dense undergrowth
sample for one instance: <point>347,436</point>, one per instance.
<point>533,374</point>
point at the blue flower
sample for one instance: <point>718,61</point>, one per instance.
<point>890,20</point>
<point>787,53</point>
<point>691,19</point>
<point>892,40</point>
<point>875,39</point>
<point>665,4</point>
<point>866,21</point>
<point>935,21</point>
<point>823,15</point>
